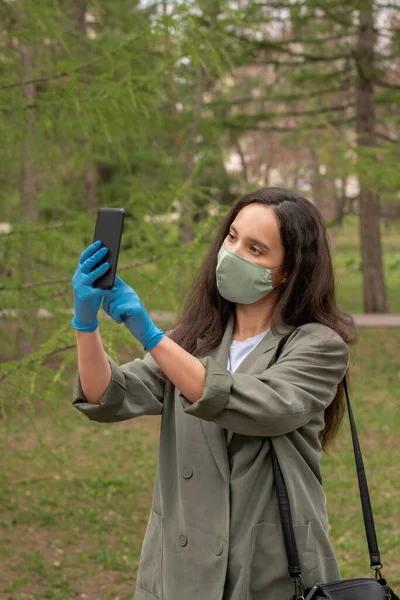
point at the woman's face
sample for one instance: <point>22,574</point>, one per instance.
<point>255,235</point>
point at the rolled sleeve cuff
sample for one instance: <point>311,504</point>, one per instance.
<point>110,402</point>
<point>215,396</point>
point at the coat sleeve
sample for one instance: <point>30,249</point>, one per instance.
<point>282,398</point>
<point>136,388</point>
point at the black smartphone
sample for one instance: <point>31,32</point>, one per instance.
<point>108,230</point>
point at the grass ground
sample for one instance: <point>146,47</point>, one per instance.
<point>75,495</point>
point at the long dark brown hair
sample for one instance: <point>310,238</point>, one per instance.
<point>307,296</point>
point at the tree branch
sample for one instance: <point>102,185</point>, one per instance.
<point>76,70</point>
<point>317,41</point>
<point>41,103</point>
<point>318,111</point>
<point>276,5</point>
<point>33,358</point>
<point>271,45</point>
<point>387,138</point>
<point>304,56</point>
<point>385,84</point>
<point>56,75</point>
<point>338,18</point>
<point>33,284</point>
<point>282,98</point>
<point>256,127</point>
<point>389,5</point>
<point>335,17</point>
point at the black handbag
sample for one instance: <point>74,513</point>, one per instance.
<point>347,589</point>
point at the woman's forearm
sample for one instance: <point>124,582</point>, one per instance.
<point>185,371</point>
<point>93,366</point>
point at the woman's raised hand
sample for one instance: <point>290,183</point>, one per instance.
<point>87,299</point>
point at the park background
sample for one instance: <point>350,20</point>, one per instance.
<point>173,110</point>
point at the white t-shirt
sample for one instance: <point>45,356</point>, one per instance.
<point>239,350</point>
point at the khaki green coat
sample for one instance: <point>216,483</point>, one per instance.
<point>214,531</point>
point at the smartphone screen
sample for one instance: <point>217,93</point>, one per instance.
<point>108,230</point>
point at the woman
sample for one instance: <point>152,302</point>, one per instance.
<point>214,531</point>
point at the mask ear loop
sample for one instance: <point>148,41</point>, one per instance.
<point>283,282</point>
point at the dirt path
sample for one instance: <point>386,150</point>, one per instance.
<point>377,320</point>
<point>162,316</point>
<point>362,320</point>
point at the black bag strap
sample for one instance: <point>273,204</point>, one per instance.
<point>284,504</point>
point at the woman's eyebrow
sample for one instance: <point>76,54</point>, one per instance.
<point>250,239</point>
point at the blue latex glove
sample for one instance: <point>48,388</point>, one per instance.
<point>124,306</point>
<point>87,299</point>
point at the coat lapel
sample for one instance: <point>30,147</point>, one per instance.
<point>216,436</point>
<point>268,343</point>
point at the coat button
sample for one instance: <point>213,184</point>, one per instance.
<point>187,472</point>
<point>218,549</point>
<point>183,539</point>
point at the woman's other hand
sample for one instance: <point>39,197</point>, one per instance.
<point>124,306</point>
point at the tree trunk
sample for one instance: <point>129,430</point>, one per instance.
<point>89,171</point>
<point>186,233</point>
<point>375,297</point>
<point>190,155</point>
<point>79,16</point>
<point>324,198</point>
<point>26,332</point>
<point>242,161</point>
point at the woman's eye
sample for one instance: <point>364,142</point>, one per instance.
<point>253,249</point>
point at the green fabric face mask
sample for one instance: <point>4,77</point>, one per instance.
<point>240,280</point>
